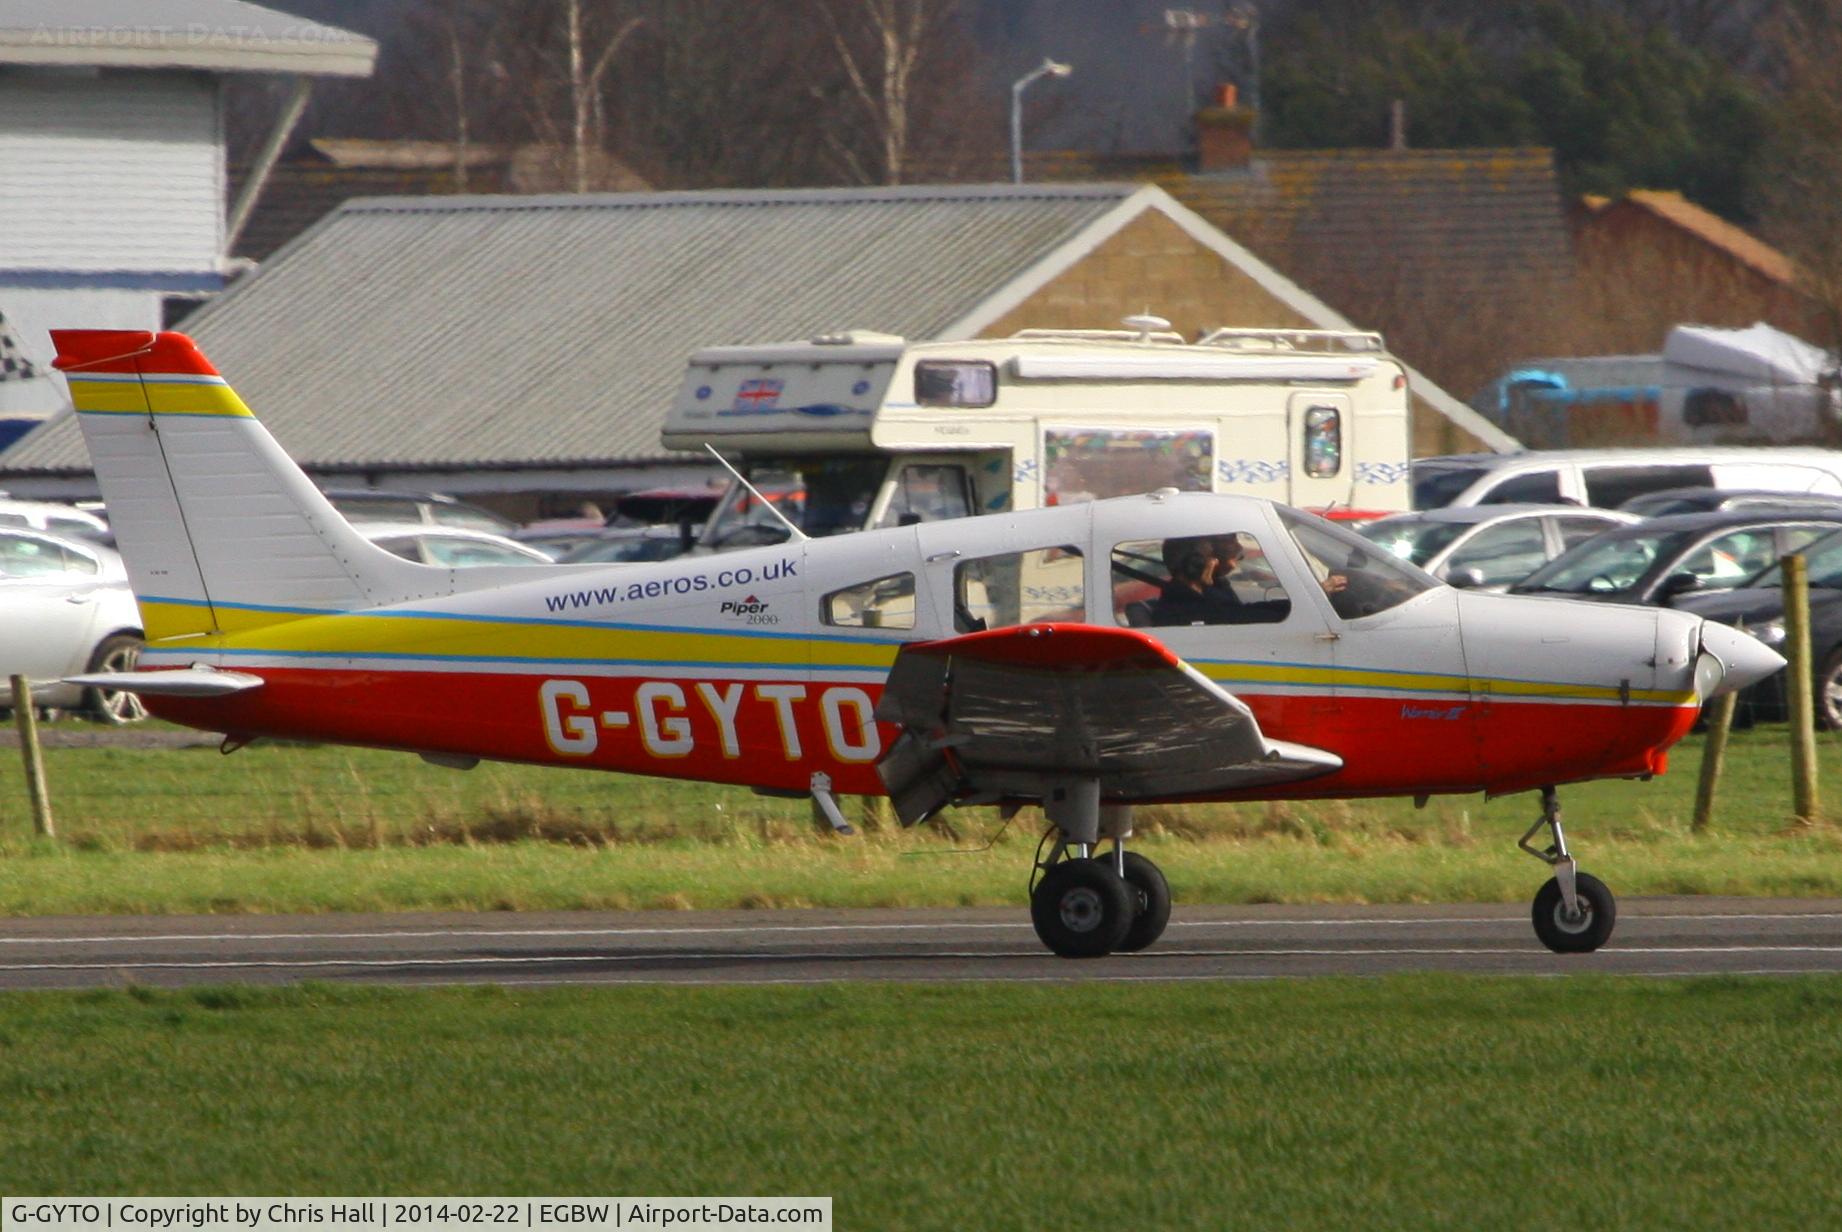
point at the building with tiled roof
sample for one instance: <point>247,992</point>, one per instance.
<point>516,345</point>
<point>1686,265</point>
<point>1463,220</point>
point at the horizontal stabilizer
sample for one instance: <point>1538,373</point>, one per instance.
<point>183,682</point>
<point>1013,710</point>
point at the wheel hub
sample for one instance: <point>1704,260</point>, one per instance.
<point>1574,922</point>
<point>1080,910</point>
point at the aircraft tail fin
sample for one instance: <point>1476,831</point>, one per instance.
<point>220,530</point>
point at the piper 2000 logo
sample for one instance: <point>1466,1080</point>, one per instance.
<point>752,610</point>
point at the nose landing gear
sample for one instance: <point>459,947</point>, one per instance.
<point>1574,912</point>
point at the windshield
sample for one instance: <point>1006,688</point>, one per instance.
<point>1606,565</point>
<point>821,496</point>
<point>1435,487</point>
<point>1358,578</point>
<point>1824,558</point>
<point>1413,539</point>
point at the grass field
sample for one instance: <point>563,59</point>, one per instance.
<point>1398,1103</point>
<point>280,827</point>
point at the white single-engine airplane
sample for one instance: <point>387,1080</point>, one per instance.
<point>1165,647</point>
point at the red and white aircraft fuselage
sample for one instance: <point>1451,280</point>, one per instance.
<point>1052,656</point>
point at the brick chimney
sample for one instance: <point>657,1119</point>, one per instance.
<point>1224,133</point>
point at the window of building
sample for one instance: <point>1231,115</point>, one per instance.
<point>881,603</point>
<point>1019,588</point>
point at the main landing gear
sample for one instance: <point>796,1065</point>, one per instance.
<point>1573,912</point>
<point>1086,904</point>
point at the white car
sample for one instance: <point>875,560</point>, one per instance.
<point>1489,547</point>
<point>65,609</point>
<point>451,547</point>
<point>59,519</point>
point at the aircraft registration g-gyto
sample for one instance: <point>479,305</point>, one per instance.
<point>1165,647</point>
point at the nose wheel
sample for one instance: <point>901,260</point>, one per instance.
<point>1574,912</point>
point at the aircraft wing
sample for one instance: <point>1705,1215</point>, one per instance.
<point>997,713</point>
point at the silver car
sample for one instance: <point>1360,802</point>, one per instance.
<point>1489,547</point>
<point>65,609</point>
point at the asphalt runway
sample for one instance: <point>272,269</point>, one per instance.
<point>1655,937</point>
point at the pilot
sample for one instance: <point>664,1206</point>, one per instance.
<point>1193,595</point>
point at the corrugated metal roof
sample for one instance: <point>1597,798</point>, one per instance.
<point>467,331</point>
<point>223,35</point>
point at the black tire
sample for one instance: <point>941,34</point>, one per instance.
<point>1151,903</point>
<point>1599,912</point>
<point>117,653</point>
<point>1826,692</point>
<point>1082,908</point>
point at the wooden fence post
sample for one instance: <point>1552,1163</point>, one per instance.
<point>26,717</point>
<point>1713,753</point>
<point>1798,687</point>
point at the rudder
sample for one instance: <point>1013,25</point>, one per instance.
<point>220,530</point>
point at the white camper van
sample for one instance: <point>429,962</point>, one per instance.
<point>858,430</point>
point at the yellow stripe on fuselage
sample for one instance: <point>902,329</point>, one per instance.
<point>366,634</point>
<point>156,396</point>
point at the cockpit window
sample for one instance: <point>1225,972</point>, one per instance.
<point>1360,578</point>
<point>1019,588</point>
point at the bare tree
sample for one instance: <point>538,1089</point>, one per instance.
<point>1801,194</point>
<point>880,44</point>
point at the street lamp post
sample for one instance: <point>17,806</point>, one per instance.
<point>1048,68</point>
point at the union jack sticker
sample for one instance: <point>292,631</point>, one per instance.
<point>757,396</point>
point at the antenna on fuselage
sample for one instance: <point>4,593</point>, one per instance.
<point>799,536</point>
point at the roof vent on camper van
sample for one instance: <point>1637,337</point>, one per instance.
<point>1146,325</point>
<point>855,337</point>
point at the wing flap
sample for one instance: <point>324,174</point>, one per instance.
<point>1007,710</point>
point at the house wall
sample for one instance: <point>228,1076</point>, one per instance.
<point>111,200</point>
<point>1641,274</point>
<point>1150,265</point>
<point>110,171</point>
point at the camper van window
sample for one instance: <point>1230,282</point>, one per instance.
<point>882,603</point>
<point>955,382</point>
<point>1323,442</point>
<point>1019,588</point>
<point>927,493</point>
<point>1083,464</point>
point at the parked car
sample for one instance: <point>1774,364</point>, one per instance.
<point>1713,500</point>
<point>1607,478</point>
<point>451,547</point>
<point>65,609</point>
<point>1758,607</point>
<point>1489,547</point>
<point>629,543</point>
<point>1658,561</point>
<point>429,508</point>
<point>66,520</point>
